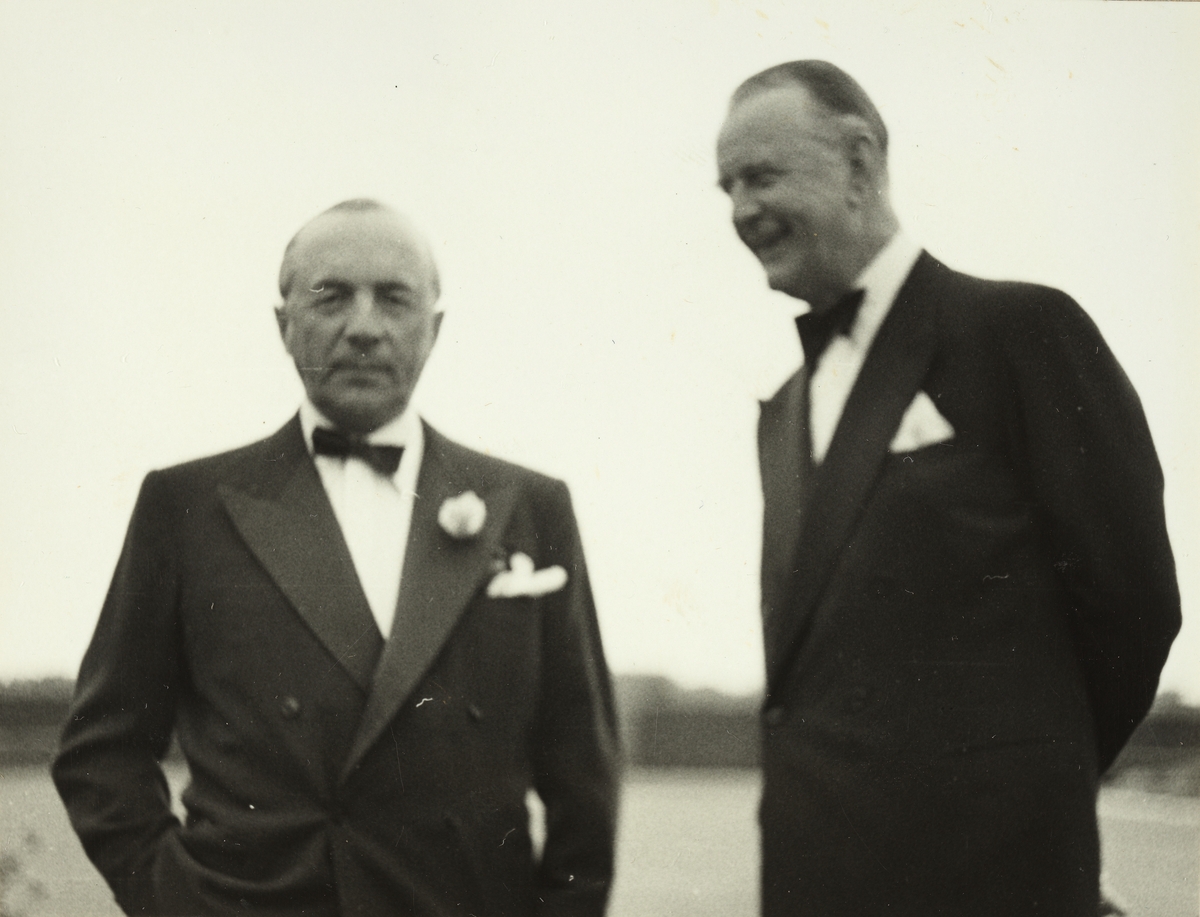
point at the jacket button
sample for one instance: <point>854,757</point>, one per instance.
<point>474,713</point>
<point>775,716</point>
<point>289,707</point>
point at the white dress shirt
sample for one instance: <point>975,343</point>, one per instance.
<point>373,510</point>
<point>831,380</point>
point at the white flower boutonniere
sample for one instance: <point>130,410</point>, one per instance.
<point>463,516</point>
<point>521,579</point>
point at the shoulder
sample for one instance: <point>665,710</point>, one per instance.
<point>1010,313</point>
<point>987,299</point>
<point>539,502</point>
<point>471,465</point>
<point>243,467</point>
<point>1034,341</point>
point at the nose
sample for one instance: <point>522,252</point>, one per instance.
<point>365,323</point>
<point>745,204</point>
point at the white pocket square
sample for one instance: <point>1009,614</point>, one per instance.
<point>520,579</point>
<point>922,425</point>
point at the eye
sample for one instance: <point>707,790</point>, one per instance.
<point>327,298</point>
<point>762,178</point>
<point>395,299</point>
<point>756,178</point>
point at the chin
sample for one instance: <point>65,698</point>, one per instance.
<point>785,281</point>
<point>358,416</point>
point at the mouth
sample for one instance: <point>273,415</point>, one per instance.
<point>764,238</point>
<point>361,369</point>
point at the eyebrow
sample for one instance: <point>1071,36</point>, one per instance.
<point>335,281</point>
<point>323,283</point>
<point>336,285</point>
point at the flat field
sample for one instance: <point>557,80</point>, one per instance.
<point>688,846</point>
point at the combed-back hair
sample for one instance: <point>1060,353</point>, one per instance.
<point>829,85</point>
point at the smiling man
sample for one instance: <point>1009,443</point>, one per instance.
<point>370,642</point>
<point>967,588</point>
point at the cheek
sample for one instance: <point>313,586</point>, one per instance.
<point>412,341</point>
<point>310,341</point>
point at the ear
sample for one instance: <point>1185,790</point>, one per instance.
<point>867,164</point>
<point>281,319</point>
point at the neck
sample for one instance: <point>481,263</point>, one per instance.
<point>857,257</point>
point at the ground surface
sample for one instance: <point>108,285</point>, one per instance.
<point>688,846</point>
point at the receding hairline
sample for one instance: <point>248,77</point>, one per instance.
<point>287,269</point>
<point>828,85</point>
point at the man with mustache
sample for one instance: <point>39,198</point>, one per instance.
<point>372,643</point>
<point>967,588</point>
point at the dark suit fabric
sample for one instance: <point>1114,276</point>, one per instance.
<point>959,639</point>
<point>331,773</point>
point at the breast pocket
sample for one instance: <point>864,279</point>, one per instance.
<point>945,478</point>
<point>944,517</point>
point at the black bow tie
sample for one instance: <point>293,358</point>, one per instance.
<point>817,329</point>
<point>384,459</point>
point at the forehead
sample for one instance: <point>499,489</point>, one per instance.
<point>366,247</point>
<point>776,122</point>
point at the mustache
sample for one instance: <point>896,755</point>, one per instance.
<point>350,363</point>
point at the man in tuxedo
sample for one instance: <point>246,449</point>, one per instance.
<point>967,588</point>
<point>371,643</point>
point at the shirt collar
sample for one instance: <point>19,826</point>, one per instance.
<point>882,279</point>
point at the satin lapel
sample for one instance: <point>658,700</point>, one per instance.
<point>441,576</point>
<point>784,468</point>
<point>890,377</point>
<point>289,526</point>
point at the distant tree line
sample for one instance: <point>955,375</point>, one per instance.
<point>31,715</point>
<point>665,725</point>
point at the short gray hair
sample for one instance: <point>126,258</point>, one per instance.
<point>828,84</point>
<point>354,205</point>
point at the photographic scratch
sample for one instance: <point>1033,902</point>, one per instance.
<point>399,771</point>
<point>424,699</point>
<point>506,834</point>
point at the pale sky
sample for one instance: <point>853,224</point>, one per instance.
<point>603,324</point>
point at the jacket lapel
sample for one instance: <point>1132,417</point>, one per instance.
<point>288,524</point>
<point>890,377</point>
<point>441,575</point>
<point>785,469</point>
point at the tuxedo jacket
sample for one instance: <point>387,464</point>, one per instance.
<point>332,773</point>
<point>959,638</point>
